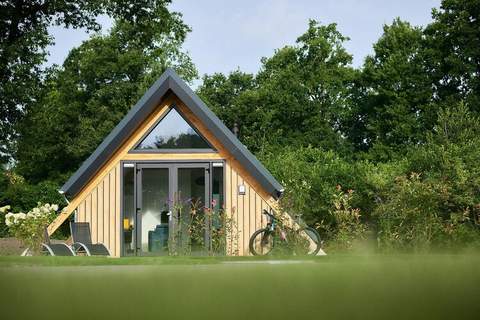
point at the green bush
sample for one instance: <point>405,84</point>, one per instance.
<point>348,230</point>
<point>409,218</point>
<point>311,175</point>
<point>416,217</point>
<point>22,196</point>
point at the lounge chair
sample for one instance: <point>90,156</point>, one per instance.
<point>82,240</point>
<point>52,249</point>
<point>56,249</point>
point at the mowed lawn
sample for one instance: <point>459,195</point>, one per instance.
<point>332,287</point>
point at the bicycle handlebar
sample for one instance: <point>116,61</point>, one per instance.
<point>265,212</point>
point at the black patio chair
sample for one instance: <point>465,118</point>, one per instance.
<point>55,249</point>
<point>82,240</point>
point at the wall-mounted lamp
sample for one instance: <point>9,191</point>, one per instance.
<point>241,190</point>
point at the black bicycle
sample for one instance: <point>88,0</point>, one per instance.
<point>304,240</point>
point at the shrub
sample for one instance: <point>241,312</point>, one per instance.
<point>30,227</point>
<point>347,230</point>
<point>22,196</point>
<point>416,217</point>
<point>310,176</point>
<point>409,218</point>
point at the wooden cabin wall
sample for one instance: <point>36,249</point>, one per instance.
<point>244,210</point>
<point>101,208</point>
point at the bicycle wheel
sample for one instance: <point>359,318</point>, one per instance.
<point>261,242</point>
<point>310,242</point>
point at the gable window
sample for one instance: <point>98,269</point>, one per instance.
<point>173,132</point>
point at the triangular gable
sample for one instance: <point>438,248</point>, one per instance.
<point>172,132</point>
<point>143,108</point>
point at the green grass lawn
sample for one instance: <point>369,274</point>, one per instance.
<point>332,287</point>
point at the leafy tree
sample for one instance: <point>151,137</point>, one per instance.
<point>97,85</point>
<point>303,89</point>
<point>295,99</point>
<point>392,106</point>
<point>453,52</point>
<point>221,93</point>
<point>23,40</point>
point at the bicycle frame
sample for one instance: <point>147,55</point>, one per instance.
<point>272,223</point>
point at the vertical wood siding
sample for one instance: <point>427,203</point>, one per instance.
<point>101,208</point>
<point>245,210</point>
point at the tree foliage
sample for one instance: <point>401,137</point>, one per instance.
<point>391,105</point>
<point>24,37</point>
<point>222,94</point>
<point>305,84</point>
<point>453,52</point>
<point>96,86</point>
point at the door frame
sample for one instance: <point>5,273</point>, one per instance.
<point>138,199</point>
<point>155,163</point>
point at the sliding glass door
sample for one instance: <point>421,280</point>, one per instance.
<point>171,200</point>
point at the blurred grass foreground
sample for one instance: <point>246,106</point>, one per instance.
<point>332,287</point>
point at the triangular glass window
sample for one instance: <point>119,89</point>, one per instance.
<point>173,132</point>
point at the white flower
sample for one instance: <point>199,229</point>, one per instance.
<point>4,209</point>
<point>55,207</point>
<point>8,220</point>
<point>18,216</point>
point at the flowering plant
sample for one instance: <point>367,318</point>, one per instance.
<point>30,227</point>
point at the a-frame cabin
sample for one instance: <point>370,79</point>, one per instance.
<point>169,145</point>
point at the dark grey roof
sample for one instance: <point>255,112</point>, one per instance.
<point>144,107</point>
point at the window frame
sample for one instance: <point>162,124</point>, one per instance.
<point>170,150</point>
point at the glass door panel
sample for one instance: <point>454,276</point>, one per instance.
<point>153,212</point>
<point>192,193</point>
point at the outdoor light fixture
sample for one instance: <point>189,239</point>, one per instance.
<point>241,190</point>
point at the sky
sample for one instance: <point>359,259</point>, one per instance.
<point>229,35</point>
